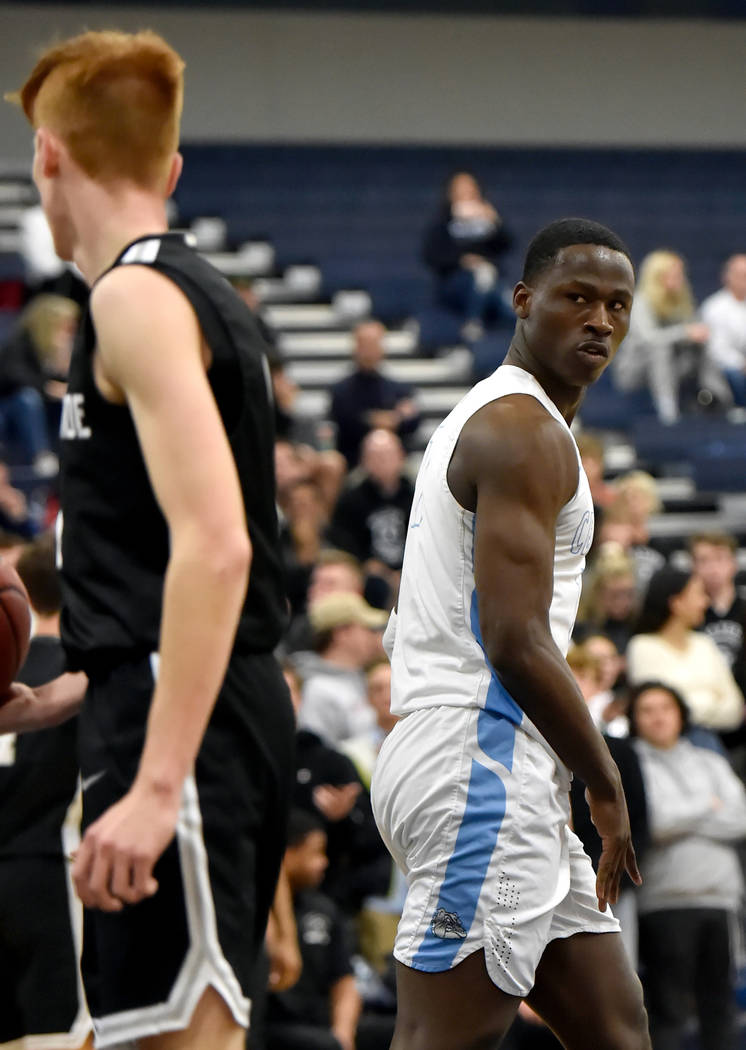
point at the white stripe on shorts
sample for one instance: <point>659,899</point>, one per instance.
<point>204,964</point>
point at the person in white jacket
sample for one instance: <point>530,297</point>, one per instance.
<point>692,885</point>
<point>666,646</point>
<point>724,313</point>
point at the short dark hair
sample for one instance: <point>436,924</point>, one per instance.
<point>636,692</point>
<point>301,824</point>
<point>36,567</point>
<point>549,242</point>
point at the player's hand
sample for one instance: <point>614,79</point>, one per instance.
<point>114,863</point>
<point>611,820</point>
<point>19,707</point>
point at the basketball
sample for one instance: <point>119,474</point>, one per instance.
<point>15,624</point>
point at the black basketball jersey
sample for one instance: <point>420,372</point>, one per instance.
<point>114,539</point>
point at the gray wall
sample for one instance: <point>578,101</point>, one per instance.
<point>303,77</point>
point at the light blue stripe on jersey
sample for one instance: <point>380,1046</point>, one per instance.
<point>475,843</point>
<point>498,700</point>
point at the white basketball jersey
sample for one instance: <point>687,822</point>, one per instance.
<point>434,639</point>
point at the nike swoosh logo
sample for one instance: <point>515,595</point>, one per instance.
<point>91,780</point>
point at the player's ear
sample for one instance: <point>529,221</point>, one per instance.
<point>177,163</point>
<point>47,152</point>
<point>522,300</point>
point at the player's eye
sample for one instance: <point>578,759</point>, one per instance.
<point>618,305</point>
<point>576,297</point>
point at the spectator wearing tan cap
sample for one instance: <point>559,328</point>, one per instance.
<point>346,640</point>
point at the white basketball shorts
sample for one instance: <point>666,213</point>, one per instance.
<point>476,814</point>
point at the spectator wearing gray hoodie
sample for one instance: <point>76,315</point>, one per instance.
<point>692,882</point>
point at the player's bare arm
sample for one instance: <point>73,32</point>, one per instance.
<point>155,360</point>
<point>516,468</point>
<point>24,710</point>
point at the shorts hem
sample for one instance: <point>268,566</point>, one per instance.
<point>70,1040</point>
<point>609,926</point>
<point>137,1024</point>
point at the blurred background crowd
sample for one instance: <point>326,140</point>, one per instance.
<point>381,278</point>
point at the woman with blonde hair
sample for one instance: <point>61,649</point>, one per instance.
<point>33,371</point>
<point>665,344</point>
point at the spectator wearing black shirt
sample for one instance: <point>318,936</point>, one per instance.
<point>367,399</point>
<point>321,1011</point>
<point>714,561</point>
<point>370,520</point>
<point>463,247</point>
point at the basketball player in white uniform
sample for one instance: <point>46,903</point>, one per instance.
<point>471,787</point>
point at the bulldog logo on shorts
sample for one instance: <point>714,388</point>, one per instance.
<point>446,924</point>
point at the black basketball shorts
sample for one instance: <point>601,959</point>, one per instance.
<point>145,968</point>
<point>41,996</point>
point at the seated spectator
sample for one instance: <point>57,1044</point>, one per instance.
<point>714,562</point>
<point>587,674</point>
<point>592,456</point>
<point>328,785</point>
<point>367,399</point>
<point>665,348</point>
<point>33,373</point>
<point>363,749</point>
<point>334,572</point>
<point>371,517</point>
<point>609,602</point>
<point>627,521</point>
<point>16,515</point>
<point>347,639</point>
<point>692,884</point>
<point>321,1011</point>
<point>463,247</point>
<point>724,314</point>
<point>605,709</point>
<point>667,647</point>
<point>298,462</point>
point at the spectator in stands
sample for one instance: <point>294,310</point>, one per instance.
<point>463,247</point>
<point>609,602</point>
<point>587,673</point>
<point>16,516</point>
<point>321,1010</point>
<point>368,400</point>
<point>347,639</point>
<point>627,521</point>
<point>714,562</point>
<point>667,647</point>
<point>664,349</point>
<point>692,884</point>
<point>363,749</point>
<point>33,372</point>
<point>296,462</point>
<point>605,708</point>
<point>334,571</point>
<point>592,456</point>
<point>302,527</point>
<point>371,517</point>
<point>724,313</point>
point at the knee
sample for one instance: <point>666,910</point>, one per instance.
<point>631,1031</point>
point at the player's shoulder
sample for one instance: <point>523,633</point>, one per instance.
<point>517,429</point>
<point>515,445</point>
<point>130,293</point>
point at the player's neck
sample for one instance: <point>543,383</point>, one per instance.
<point>566,398</point>
<point>108,220</point>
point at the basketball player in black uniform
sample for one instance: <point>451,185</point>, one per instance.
<point>170,567</point>
<point>41,998</point>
